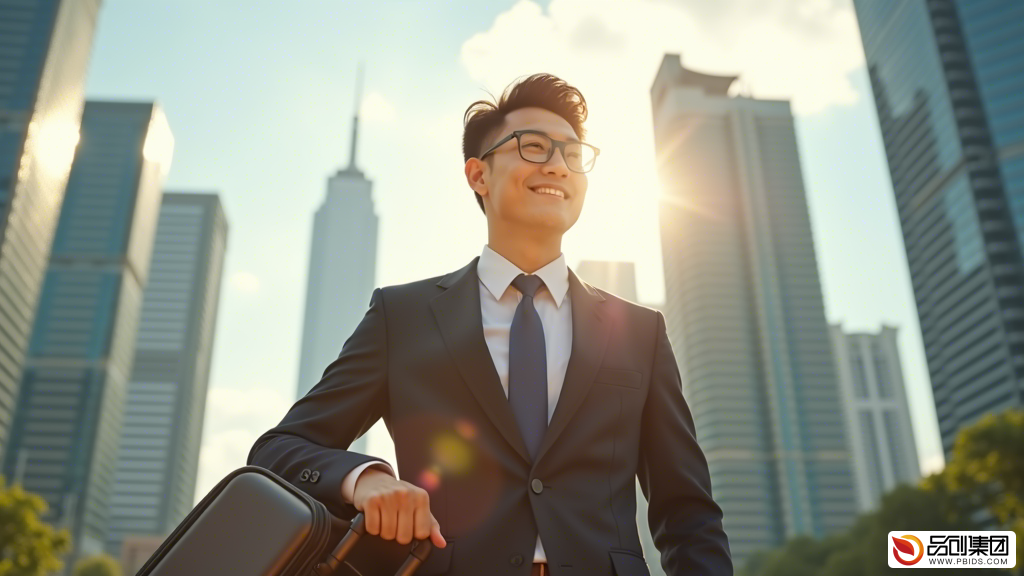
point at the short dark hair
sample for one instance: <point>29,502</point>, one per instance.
<point>546,91</point>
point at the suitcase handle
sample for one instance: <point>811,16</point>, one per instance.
<point>357,529</point>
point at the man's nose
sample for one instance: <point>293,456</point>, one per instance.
<point>557,166</point>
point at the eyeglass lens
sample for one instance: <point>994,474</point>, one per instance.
<point>538,148</point>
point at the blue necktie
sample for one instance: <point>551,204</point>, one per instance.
<point>528,366</point>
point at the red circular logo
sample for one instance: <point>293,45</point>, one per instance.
<point>903,546</point>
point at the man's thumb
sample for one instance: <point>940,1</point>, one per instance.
<point>435,536</point>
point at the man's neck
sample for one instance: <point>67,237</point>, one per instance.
<point>529,254</point>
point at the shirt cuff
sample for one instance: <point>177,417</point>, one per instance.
<point>348,485</point>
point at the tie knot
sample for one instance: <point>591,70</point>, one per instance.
<point>527,284</point>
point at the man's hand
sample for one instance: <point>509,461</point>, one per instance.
<point>395,509</point>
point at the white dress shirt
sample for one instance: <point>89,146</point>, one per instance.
<point>498,303</point>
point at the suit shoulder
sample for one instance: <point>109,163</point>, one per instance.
<point>428,285</point>
<point>630,308</point>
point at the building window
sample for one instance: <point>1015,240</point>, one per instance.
<point>962,215</point>
<point>860,383</point>
<point>882,373</point>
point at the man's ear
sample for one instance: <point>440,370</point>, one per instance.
<point>477,175</point>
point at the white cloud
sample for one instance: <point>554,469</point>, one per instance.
<point>232,407</point>
<point>802,51</point>
<point>221,453</point>
<point>234,420</point>
<point>376,108</point>
<point>246,282</point>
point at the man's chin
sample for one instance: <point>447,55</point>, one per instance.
<point>552,224</point>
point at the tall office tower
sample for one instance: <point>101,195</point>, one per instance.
<point>745,313</point>
<point>64,439</point>
<point>44,53</point>
<point>619,278</point>
<point>946,77</point>
<point>877,418</point>
<point>342,269</point>
<point>155,478</point>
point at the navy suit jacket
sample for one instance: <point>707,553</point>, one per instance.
<point>419,360</point>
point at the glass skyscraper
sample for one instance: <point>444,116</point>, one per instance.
<point>745,313</point>
<point>44,53</point>
<point>948,83</point>
<point>158,456</point>
<point>64,440</point>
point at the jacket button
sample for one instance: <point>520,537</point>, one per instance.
<point>305,475</point>
<point>516,560</point>
<point>537,486</point>
<point>314,476</point>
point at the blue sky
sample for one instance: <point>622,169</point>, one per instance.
<point>259,96</point>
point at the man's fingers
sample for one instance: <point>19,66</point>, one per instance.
<point>423,523</point>
<point>403,533</point>
<point>399,514</point>
<point>371,518</point>
<point>435,535</point>
<point>388,520</point>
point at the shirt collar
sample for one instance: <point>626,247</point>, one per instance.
<point>497,274</point>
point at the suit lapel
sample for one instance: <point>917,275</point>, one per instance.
<point>457,310</point>
<point>589,339</point>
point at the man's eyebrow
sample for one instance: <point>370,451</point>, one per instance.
<point>569,139</point>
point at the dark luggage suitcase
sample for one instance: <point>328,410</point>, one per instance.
<point>254,523</point>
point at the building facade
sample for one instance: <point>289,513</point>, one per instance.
<point>877,415</point>
<point>946,77</point>
<point>44,53</point>
<point>745,312</point>
<point>66,428</point>
<point>158,454</point>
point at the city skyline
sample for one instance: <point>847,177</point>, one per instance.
<point>268,136</point>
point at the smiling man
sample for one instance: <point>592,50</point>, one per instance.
<point>522,401</point>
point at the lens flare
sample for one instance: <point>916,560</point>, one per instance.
<point>430,479</point>
<point>465,428</point>
<point>452,454</point>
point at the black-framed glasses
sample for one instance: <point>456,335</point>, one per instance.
<point>538,147</point>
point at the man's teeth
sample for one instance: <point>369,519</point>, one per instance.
<point>543,190</point>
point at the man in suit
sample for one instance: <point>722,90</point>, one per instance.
<point>521,400</point>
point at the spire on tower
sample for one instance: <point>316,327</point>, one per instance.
<point>355,120</point>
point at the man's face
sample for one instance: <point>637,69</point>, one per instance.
<point>511,186</point>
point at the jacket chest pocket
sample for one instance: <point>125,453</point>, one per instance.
<point>619,377</point>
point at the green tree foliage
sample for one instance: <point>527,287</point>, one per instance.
<point>99,565</point>
<point>28,546</point>
<point>988,464</point>
<point>986,471</point>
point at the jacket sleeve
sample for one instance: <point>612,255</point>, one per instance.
<point>685,521</point>
<point>309,448</point>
